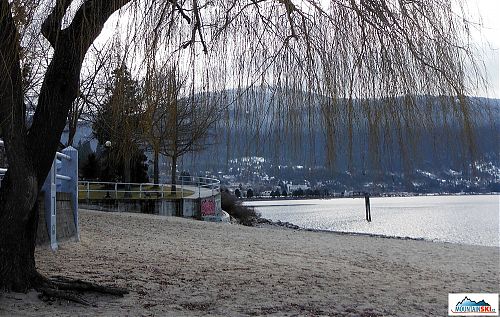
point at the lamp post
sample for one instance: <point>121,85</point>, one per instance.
<point>107,146</point>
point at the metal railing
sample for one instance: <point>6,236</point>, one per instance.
<point>185,187</point>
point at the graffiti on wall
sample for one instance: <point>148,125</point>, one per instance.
<point>208,207</point>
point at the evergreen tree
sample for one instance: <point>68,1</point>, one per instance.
<point>117,121</point>
<point>84,150</point>
<point>91,168</point>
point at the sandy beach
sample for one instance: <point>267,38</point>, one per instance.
<point>182,267</point>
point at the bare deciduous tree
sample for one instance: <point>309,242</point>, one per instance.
<point>176,125</point>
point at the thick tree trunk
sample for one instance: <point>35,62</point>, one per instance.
<point>18,234</point>
<point>17,260</point>
<point>19,187</point>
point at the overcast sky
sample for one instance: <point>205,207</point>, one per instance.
<point>486,35</point>
<point>489,38</point>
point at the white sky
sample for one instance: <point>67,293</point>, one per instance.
<point>486,13</point>
<point>488,37</point>
<point>489,10</point>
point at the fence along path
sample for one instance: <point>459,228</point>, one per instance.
<point>63,178</point>
<point>198,195</point>
<point>187,187</point>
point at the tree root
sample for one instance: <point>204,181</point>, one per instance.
<point>49,294</point>
<point>64,283</point>
<point>70,289</point>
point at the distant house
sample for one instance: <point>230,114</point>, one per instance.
<point>290,188</point>
<point>266,193</point>
<point>354,194</point>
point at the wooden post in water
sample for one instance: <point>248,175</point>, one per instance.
<point>367,207</point>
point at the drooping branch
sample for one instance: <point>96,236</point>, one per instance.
<point>290,9</point>
<point>181,10</point>
<point>197,26</point>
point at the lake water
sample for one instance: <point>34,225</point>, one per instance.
<point>470,220</point>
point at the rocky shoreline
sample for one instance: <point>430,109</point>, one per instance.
<point>289,225</point>
<point>261,222</point>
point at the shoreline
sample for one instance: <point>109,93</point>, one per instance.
<point>403,194</point>
<point>181,267</point>
<point>290,226</point>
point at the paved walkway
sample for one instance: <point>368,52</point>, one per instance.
<point>199,192</point>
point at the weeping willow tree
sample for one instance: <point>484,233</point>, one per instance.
<point>304,63</point>
<point>352,67</point>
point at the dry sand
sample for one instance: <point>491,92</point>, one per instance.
<point>180,267</point>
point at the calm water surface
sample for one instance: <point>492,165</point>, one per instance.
<point>470,220</point>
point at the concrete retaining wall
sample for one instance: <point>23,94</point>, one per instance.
<point>189,208</point>
<point>66,227</point>
<point>162,207</point>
